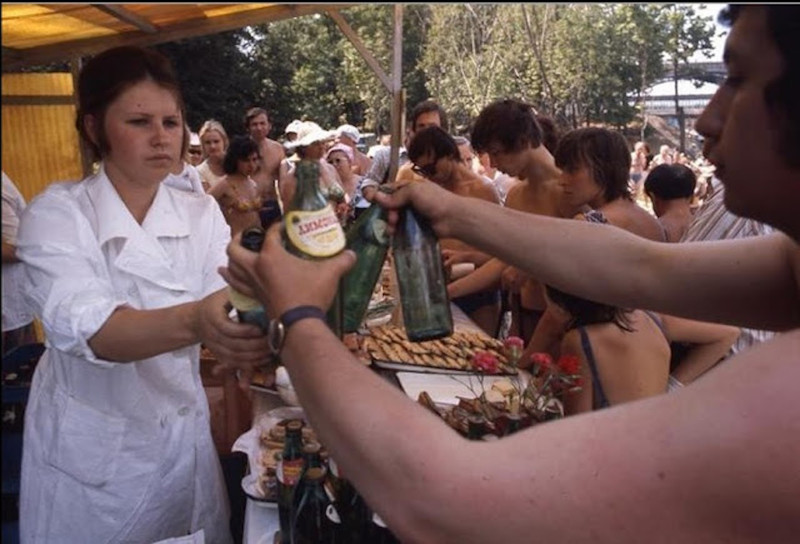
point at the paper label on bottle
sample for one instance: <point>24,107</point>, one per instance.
<point>241,302</point>
<point>288,471</point>
<point>316,233</point>
<point>332,514</point>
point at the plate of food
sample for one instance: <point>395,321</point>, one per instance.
<point>390,348</point>
<point>263,444</point>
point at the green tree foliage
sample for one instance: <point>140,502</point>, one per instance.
<point>216,78</point>
<point>580,63</point>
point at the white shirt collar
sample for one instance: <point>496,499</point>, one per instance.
<point>114,220</point>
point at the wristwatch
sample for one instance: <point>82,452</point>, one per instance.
<point>276,332</point>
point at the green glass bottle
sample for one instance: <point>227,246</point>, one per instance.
<point>288,472</point>
<point>315,519</point>
<point>475,427</point>
<point>311,229</point>
<point>421,279</point>
<point>368,238</point>
<point>248,309</point>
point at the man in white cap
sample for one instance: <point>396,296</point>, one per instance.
<point>195,154</point>
<point>349,136</point>
<point>291,130</point>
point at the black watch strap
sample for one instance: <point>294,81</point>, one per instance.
<point>276,332</point>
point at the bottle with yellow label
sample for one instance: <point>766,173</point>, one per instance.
<point>311,229</point>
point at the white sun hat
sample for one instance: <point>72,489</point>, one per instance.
<point>308,133</point>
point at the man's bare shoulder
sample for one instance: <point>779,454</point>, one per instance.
<point>544,198</point>
<point>276,147</point>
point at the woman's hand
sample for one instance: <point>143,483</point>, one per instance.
<point>239,346</point>
<point>280,280</point>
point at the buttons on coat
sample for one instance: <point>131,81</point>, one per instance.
<point>183,411</point>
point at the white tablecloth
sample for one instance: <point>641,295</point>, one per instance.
<point>260,523</point>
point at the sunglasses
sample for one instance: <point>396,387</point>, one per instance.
<point>427,171</point>
<point>195,152</point>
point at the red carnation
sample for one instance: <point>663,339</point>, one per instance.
<point>486,362</point>
<point>569,364</point>
<point>542,360</point>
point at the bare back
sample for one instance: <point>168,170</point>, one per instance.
<point>628,215</point>
<point>630,365</point>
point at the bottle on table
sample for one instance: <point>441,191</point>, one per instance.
<point>421,279</point>
<point>311,229</point>
<point>288,472</point>
<point>353,510</point>
<point>315,519</point>
<point>368,238</point>
<point>475,427</point>
<point>248,309</point>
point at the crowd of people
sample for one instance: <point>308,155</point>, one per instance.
<point>129,269</point>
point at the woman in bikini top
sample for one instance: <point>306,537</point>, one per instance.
<point>238,194</point>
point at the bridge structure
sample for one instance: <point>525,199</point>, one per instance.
<point>689,105</point>
<point>706,71</point>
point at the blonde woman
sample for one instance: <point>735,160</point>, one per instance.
<point>214,141</point>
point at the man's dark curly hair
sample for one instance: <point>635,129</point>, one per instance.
<point>510,123</point>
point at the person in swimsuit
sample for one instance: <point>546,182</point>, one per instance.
<point>625,354</point>
<point>238,194</point>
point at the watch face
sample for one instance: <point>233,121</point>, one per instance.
<point>275,334</point>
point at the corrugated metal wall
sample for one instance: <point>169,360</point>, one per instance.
<point>40,143</point>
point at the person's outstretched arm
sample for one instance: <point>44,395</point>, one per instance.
<point>621,474</point>
<point>750,282</point>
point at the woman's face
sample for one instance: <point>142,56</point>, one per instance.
<point>213,145</point>
<point>315,151</point>
<point>580,188</point>
<point>340,161</point>
<point>247,166</point>
<point>144,129</point>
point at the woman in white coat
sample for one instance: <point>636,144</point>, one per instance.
<point>122,270</point>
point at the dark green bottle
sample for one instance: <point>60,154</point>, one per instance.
<point>368,238</point>
<point>315,519</point>
<point>248,309</point>
<point>421,279</point>
<point>288,472</point>
<point>475,427</point>
<point>352,508</point>
<point>311,229</point>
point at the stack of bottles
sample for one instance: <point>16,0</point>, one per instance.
<point>316,504</point>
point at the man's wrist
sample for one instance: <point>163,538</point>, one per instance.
<point>276,333</point>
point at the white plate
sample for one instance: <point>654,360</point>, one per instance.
<point>250,489</point>
<point>446,388</point>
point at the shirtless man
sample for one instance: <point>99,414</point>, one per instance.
<point>349,136</point>
<point>257,123</point>
<point>508,132</point>
<point>425,114</point>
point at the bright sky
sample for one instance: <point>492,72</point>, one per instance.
<point>718,41</point>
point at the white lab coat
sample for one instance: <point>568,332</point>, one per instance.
<point>118,452</point>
